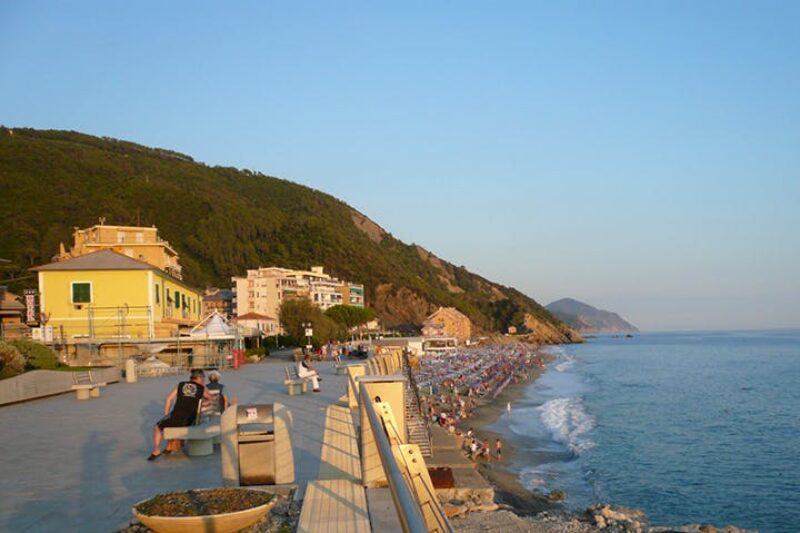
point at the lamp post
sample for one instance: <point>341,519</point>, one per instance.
<point>309,333</point>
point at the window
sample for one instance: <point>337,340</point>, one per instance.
<point>120,236</point>
<point>177,300</point>
<point>81,292</point>
<point>139,236</point>
<point>169,297</point>
<point>158,295</point>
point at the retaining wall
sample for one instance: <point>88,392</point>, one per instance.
<point>41,383</point>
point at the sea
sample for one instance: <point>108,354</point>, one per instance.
<point>690,427</point>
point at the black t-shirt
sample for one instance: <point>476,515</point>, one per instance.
<point>189,396</point>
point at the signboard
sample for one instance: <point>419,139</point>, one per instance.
<point>309,332</point>
<point>30,305</point>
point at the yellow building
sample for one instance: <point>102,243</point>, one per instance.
<point>135,242</point>
<point>108,295</point>
<point>448,322</point>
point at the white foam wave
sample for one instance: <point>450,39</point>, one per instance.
<point>564,366</point>
<point>568,422</point>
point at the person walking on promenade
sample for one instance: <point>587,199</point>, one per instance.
<point>186,396</point>
<point>306,370</point>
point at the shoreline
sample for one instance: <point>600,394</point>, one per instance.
<point>509,491</point>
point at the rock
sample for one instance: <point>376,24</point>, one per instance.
<point>705,528</point>
<point>557,496</point>
<point>599,521</point>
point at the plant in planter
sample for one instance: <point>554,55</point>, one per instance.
<point>222,510</point>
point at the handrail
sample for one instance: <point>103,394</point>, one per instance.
<point>412,379</point>
<point>437,513</point>
<point>408,510</point>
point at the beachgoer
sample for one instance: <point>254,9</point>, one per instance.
<point>498,447</point>
<point>306,370</point>
<point>473,449</point>
<point>186,397</point>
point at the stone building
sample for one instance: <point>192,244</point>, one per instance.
<point>448,322</point>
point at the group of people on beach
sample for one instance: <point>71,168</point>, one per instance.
<point>477,450</point>
<point>454,384</point>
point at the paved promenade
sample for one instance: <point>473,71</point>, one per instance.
<point>70,465</point>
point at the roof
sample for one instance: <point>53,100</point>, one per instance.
<point>101,260</point>
<point>253,316</point>
<point>107,260</point>
<point>452,311</point>
<point>214,325</point>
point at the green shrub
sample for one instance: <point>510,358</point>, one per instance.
<point>11,361</point>
<point>260,351</point>
<point>37,356</point>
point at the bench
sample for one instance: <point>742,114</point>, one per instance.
<point>199,439</point>
<point>85,387</point>
<point>294,383</point>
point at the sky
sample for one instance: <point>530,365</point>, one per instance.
<point>643,157</point>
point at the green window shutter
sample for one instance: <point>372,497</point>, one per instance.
<point>158,295</point>
<point>81,293</point>
<point>177,300</point>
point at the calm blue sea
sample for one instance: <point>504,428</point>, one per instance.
<point>689,427</point>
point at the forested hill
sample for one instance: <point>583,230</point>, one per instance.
<point>222,221</point>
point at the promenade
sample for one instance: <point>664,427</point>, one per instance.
<point>72,465</point>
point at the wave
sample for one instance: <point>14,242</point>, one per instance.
<point>565,365</point>
<point>568,422</point>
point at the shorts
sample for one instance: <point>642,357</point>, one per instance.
<point>171,422</point>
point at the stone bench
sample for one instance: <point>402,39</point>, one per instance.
<point>85,387</point>
<point>199,439</point>
<point>294,383</point>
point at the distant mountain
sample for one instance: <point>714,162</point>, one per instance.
<point>588,319</point>
<point>223,221</point>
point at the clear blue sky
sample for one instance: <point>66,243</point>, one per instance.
<point>640,156</point>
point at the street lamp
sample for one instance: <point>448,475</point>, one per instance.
<point>309,333</point>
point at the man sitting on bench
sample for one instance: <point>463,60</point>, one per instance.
<point>305,370</point>
<point>187,396</point>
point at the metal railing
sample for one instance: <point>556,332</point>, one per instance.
<point>401,483</point>
<point>408,510</point>
<point>412,380</point>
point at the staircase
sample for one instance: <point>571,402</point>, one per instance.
<point>418,424</point>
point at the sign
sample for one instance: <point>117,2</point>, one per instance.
<point>309,332</point>
<point>252,413</point>
<point>30,305</point>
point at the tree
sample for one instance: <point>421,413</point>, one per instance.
<point>350,316</point>
<point>294,313</point>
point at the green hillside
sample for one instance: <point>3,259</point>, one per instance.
<point>222,221</point>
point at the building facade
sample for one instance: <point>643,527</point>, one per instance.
<point>220,300</point>
<point>448,322</point>
<point>136,242</point>
<point>12,312</point>
<point>264,289</point>
<point>106,294</point>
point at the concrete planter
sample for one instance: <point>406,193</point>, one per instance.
<point>216,523</point>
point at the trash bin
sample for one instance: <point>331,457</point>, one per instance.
<point>256,445</point>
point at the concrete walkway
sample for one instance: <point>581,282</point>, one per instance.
<point>70,465</point>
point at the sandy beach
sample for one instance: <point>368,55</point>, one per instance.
<point>502,474</point>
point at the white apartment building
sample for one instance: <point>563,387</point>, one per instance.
<point>264,289</point>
